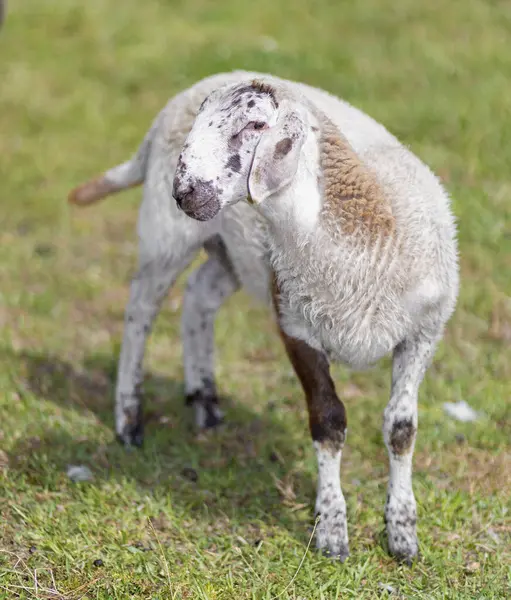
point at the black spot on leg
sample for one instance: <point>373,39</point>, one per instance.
<point>133,432</point>
<point>206,396</point>
<point>130,319</point>
<point>234,163</point>
<point>251,103</point>
<point>402,436</point>
<point>326,501</point>
<point>406,522</point>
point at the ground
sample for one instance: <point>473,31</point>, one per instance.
<point>229,515</point>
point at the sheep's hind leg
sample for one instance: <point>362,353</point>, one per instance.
<point>207,289</point>
<point>410,362</point>
<point>148,289</point>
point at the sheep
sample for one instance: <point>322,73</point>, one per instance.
<point>344,232</point>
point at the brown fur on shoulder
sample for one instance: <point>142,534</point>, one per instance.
<point>354,200</point>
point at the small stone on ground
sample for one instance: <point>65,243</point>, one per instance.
<point>79,473</point>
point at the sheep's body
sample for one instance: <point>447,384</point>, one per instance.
<point>368,271</point>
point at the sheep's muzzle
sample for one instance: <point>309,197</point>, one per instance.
<point>198,199</point>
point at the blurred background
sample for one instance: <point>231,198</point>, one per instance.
<point>80,83</point>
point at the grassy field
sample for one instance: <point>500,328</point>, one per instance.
<point>229,515</point>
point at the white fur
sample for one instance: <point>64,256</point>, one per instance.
<point>332,529</point>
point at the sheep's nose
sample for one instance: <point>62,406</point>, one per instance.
<point>181,194</point>
<point>198,200</point>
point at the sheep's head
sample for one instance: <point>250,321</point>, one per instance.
<point>244,144</point>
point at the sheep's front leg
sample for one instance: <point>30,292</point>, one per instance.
<point>327,421</point>
<point>148,289</point>
<point>207,289</point>
<point>410,361</point>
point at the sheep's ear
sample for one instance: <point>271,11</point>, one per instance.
<point>276,156</point>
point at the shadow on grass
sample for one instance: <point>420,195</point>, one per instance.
<point>232,471</point>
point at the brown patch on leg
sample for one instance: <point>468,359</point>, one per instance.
<point>402,436</point>
<point>327,415</point>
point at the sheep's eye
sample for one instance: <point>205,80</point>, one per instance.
<point>256,125</point>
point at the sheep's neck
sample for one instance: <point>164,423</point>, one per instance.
<point>354,203</point>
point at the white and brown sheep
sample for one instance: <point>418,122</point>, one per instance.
<point>351,239</point>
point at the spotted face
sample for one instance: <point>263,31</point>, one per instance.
<point>216,160</point>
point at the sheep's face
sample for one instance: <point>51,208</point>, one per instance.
<point>215,164</point>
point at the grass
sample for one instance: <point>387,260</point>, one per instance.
<point>80,83</point>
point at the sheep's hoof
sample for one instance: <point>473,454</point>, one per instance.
<point>332,532</point>
<point>401,523</point>
<point>207,412</point>
<point>340,554</point>
<point>403,545</point>
<point>408,561</point>
<point>132,435</point>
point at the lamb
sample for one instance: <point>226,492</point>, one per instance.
<point>346,234</point>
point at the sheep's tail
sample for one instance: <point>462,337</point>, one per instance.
<point>126,175</point>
